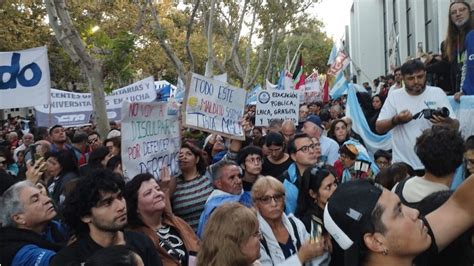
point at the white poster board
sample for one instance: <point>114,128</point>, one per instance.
<point>24,78</point>
<point>214,106</point>
<point>276,104</point>
<point>150,138</point>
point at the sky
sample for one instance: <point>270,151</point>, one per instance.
<point>334,14</point>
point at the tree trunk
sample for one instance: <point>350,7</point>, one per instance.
<point>69,38</point>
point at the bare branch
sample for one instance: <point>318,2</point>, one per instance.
<point>210,49</point>
<point>163,43</point>
<point>188,34</point>
<point>141,17</point>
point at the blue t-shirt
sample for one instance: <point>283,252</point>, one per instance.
<point>468,70</point>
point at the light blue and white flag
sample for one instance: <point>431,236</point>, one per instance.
<point>372,141</point>
<point>252,95</point>
<point>340,87</point>
<point>332,55</point>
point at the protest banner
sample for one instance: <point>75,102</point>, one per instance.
<point>73,109</point>
<point>276,104</point>
<point>150,138</point>
<point>340,63</point>
<point>312,92</point>
<point>24,78</point>
<point>214,106</point>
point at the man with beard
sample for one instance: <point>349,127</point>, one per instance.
<point>97,213</point>
<point>401,109</point>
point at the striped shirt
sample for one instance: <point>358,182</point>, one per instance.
<point>190,197</point>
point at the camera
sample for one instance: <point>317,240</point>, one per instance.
<point>428,113</point>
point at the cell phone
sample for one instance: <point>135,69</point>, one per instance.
<point>33,153</point>
<point>316,231</point>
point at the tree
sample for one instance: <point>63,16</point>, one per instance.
<point>70,40</point>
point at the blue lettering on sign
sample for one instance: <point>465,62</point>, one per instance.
<point>19,74</point>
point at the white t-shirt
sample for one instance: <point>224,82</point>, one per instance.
<point>404,136</point>
<point>418,188</point>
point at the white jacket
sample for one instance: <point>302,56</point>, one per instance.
<point>276,256</point>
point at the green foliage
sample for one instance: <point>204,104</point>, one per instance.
<point>128,55</point>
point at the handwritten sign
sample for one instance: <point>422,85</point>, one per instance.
<point>150,138</point>
<point>276,104</point>
<point>214,106</point>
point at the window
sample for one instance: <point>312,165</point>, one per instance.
<point>430,39</point>
<point>411,29</point>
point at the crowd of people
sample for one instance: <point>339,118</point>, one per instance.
<point>289,194</point>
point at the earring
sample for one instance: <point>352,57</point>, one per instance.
<point>385,252</point>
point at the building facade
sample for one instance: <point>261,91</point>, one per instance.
<point>385,33</point>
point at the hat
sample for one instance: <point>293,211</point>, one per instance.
<point>348,214</point>
<point>315,120</point>
<point>274,138</point>
<point>114,133</point>
<point>53,127</point>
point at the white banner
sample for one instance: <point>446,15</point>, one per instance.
<point>214,106</point>
<point>24,78</point>
<point>71,108</point>
<point>150,138</point>
<point>312,92</point>
<point>276,104</point>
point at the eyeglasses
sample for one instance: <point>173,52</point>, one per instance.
<point>256,160</point>
<point>278,198</point>
<point>275,150</point>
<point>306,148</point>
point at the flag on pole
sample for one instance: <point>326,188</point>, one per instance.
<point>298,75</point>
<point>326,90</point>
<point>340,63</point>
<point>333,55</point>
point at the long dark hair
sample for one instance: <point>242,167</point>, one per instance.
<point>130,194</point>
<point>312,179</point>
<point>66,159</point>
<point>451,42</point>
<point>198,153</point>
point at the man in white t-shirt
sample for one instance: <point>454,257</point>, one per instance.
<point>401,108</point>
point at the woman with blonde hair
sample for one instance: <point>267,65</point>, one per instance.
<point>231,237</point>
<point>285,240</point>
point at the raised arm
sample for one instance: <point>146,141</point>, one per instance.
<point>455,216</point>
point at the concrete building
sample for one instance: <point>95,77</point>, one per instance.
<point>384,33</point>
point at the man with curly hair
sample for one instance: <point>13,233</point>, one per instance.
<point>440,149</point>
<point>97,213</point>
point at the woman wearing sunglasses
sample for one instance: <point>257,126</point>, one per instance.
<point>285,240</point>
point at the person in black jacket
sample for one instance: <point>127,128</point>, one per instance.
<point>28,235</point>
<point>97,213</point>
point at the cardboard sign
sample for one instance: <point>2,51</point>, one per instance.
<point>214,106</point>
<point>150,138</point>
<point>276,104</point>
